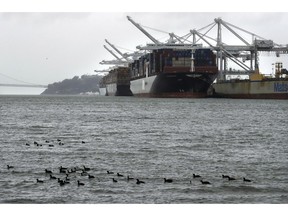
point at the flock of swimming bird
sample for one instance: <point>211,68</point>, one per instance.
<point>84,171</point>
<point>68,173</point>
<point>60,143</point>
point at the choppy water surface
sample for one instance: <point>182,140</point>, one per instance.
<point>148,139</point>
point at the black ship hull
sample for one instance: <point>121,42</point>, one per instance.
<point>191,84</point>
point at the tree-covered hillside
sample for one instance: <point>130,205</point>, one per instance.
<point>76,85</point>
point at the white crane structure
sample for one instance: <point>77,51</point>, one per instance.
<point>117,61</point>
<point>111,52</point>
<point>155,41</point>
<point>236,53</point>
<point>171,43</point>
<point>102,72</point>
<point>117,50</point>
<point>126,57</point>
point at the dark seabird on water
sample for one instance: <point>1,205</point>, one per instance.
<point>196,176</point>
<point>52,177</point>
<point>48,171</point>
<point>80,183</point>
<point>168,180</point>
<point>129,178</point>
<point>90,176</point>
<point>246,180</point>
<point>39,181</point>
<point>86,168</point>
<point>205,182</point>
<point>231,178</point>
<point>139,182</point>
<point>10,167</point>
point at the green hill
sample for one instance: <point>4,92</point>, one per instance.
<point>76,85</point>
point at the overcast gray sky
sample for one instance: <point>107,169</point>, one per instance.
<point>47,47</point>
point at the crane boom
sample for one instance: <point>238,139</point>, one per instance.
<point>231,30</point>
<point>110,51</point>
<point>143,30</point>
<point>117,50</point>
<point>113,62</point>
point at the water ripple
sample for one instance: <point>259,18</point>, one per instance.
<point>145,138</point>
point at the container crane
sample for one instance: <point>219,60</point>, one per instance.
<point>238,54</point>
<point>110,51</point>
<point>246,51</point>
<point>118,51</point>
<point>258,44</point>
<point>102,71</point>
<point>171,43</point>
<point>135,55</point>
<point>172,40</point>
<point>105,71</point>
<point>125,60</point>
<point>155,41</point>
<point>113,62</point>
<point>117,61</point>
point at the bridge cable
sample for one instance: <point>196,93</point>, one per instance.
<point>17,79</point>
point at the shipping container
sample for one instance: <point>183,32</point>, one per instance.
<point>179,69</point>
<point>206,69</point>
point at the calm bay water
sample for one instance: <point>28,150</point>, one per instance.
<point>148,139</point>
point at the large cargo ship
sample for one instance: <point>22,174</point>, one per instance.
<point>257,87</point>
<point>116,83</point>
<point>165,73</point>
